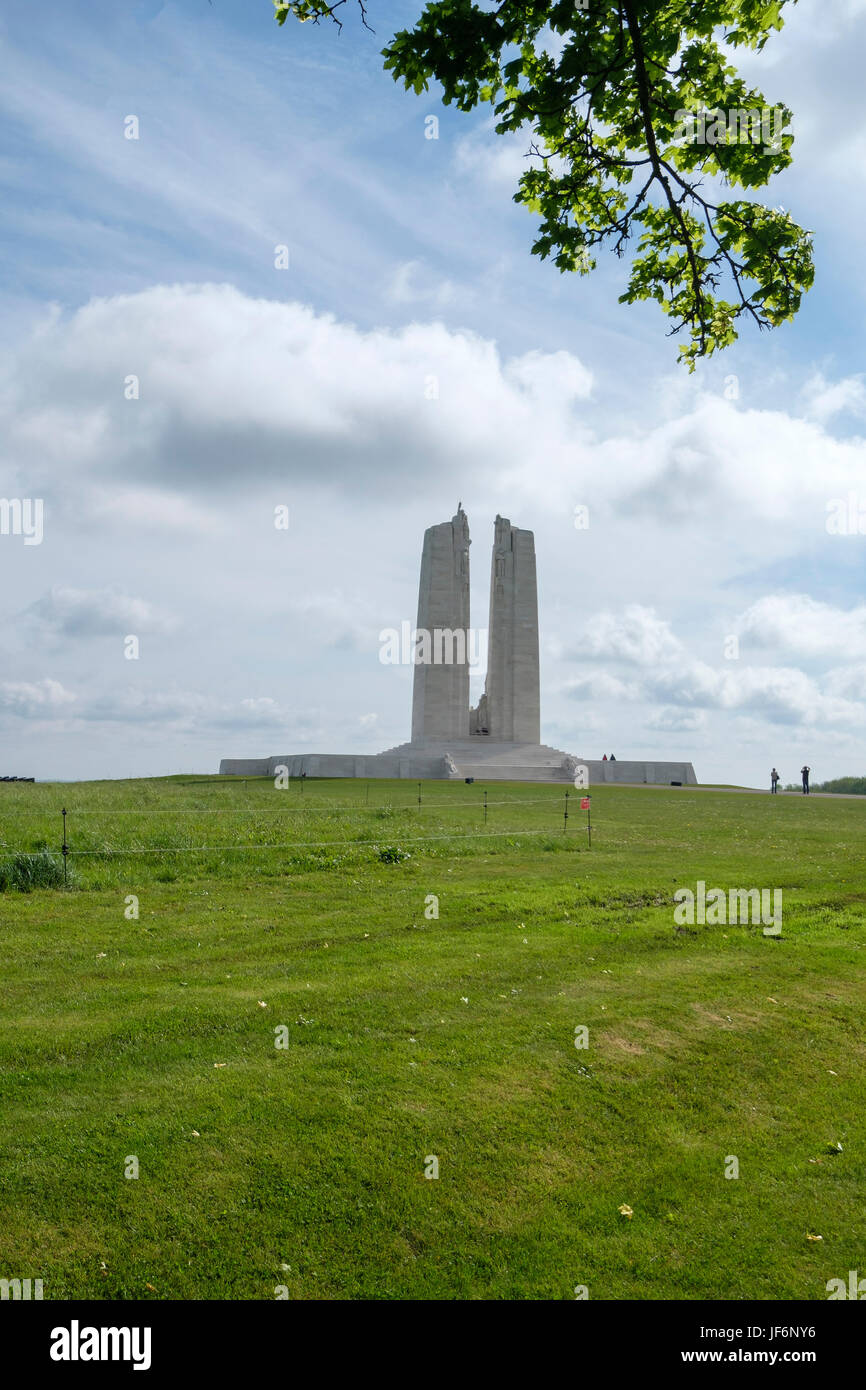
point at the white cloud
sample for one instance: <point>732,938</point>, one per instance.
<point>798,623</point>
<point>491,159</point>
<point>188,710</point>
<point>411,283</point>
<point>599,685</point>
<point>552,378</point>
<point>96,612</point>
<point>34,700</point>
<point>260,706</point>
<point>154,507</point>
<point>675,721</point>
<point>235,391</point>
<point>341,618</point>
<point>847,682</point>
<point>734,467</point>
<point>782,694</point>
<point>637,635</point>
<point>689,686</point>
<point>825,399</point>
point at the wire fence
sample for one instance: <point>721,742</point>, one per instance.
<point>481,807</point>
<point>323,808</point>
<point>300,844</point>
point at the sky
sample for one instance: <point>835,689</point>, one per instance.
<point>284,295</point>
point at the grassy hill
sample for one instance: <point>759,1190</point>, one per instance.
<point>302,1167</point>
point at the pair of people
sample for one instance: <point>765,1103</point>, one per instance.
<point>804,773</point>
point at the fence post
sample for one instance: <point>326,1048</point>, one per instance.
<point>565,818</point>
<point>485,806</point>
<point>65,848</point>
<point>419,793</point>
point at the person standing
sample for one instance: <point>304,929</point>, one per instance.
<point>804,773</point>
<point>774,781</point>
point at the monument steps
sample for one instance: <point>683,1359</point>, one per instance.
<point>483,758</point>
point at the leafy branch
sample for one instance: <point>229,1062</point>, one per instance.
<point>315,10</point>
<point>631,105</point>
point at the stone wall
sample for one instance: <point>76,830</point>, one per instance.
<point>521,763</point>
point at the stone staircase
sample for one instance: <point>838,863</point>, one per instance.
<point>489,759</point>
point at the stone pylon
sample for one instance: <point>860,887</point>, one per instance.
<point>440,698</point>
<point>512,701</point>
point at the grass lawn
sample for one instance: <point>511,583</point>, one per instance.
<point>302,1167</point>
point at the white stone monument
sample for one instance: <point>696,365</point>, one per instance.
<point>500,739</point>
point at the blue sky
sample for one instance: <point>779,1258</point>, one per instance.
<point>305,386</point>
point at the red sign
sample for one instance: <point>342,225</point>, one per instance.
<point>584,803</point>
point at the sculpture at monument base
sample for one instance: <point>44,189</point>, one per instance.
<point>498,739</point>
<point>478,718</point>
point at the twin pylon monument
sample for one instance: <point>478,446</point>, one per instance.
<point>499,738</point>
<point>509,711</point>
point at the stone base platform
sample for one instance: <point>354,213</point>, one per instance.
<point>480,757</point>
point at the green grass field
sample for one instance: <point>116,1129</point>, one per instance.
<point>407,1036</point>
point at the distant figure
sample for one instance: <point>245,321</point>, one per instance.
<point>804,772</point>
<point>774,781</point>
<point>604,759</point>
<point>613,757</point>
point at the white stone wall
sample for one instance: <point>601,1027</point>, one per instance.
<point>476,757</point>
